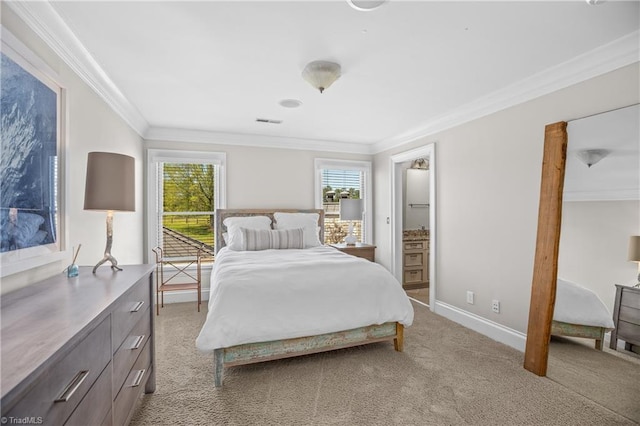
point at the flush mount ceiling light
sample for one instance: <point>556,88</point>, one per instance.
<point>591,156</point>
<point>290,103</point>
<point>321,74</point>
<point>366,5</point>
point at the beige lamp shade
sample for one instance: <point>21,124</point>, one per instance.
<point>351,209</point>
<point>634,248</point>
<point>110,183</point>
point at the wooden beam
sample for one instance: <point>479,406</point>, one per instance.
<point>545,270</point>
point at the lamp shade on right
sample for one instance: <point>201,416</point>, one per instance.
<point>634,248</point>
<point>351,209</point>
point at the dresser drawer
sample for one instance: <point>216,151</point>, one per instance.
<point>129,310</point>
<point>68,380</point>
<point>413,276</point>
<point>96,404</point>
<point>413,259</point>
<point>630,315</point>
<point>132,387</point>
<point>126,355</point>
<point>630,298</point>
<point>415,245</point>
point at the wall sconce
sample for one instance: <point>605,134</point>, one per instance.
<point>351,209</point>
<point>420,164</point>
<point>591,156</point>
<point>110,186</point>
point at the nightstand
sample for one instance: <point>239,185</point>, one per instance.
<point>626,316</point>
<point>365,251</point>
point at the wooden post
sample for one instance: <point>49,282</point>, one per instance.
<point>545,271</point>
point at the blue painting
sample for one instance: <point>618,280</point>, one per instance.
<point>28,159</point>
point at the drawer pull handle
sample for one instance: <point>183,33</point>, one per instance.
<point>138,378</point>
<point>138,306</point>
<point>138,342</point>
<point>72,387</point>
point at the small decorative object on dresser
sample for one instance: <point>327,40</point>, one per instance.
<point>626,316</point>
<point>366,251</point>
<point>81,353</point>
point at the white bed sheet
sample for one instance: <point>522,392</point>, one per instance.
<point>578,305</point>
<point>267,295</point>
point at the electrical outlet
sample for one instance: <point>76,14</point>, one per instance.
<point>495,306</point>
<point>470,297</point>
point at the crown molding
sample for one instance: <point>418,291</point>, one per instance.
<point>263,141</point>
<point>603,195</point>
<point>49,26</point>
<point>609,57</point>
<point>41,17</point>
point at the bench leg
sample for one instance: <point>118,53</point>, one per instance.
<point>398,342</point>
<point>218,359</point>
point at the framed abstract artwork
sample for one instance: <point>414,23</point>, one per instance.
<point>32,231</point>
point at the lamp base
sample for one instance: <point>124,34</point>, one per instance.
<point>350,240</point>
<point>107,250</point>
<point>114,263</point>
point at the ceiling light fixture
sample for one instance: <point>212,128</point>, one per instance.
<point>290,103</point>
<point>591,156</point>
<point>366,5</point>
<point>321,74</point>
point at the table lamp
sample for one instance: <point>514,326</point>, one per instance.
<point>634,253</point>
<point>351,209</point>
<point>110,186</point>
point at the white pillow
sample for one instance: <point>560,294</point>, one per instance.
<point>262,239</point>
<point>307,221</point>
<point>234,234</point>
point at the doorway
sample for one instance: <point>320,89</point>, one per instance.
<point>421,219</point>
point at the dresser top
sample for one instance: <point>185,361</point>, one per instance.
<point>40,319</point>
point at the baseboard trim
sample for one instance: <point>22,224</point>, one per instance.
<point>181,296</point>
<point>493,330</point>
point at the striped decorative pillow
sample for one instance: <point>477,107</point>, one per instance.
<point>262,239</point>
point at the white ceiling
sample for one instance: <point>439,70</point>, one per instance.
<point>616,176</point>
<point>207,70</point>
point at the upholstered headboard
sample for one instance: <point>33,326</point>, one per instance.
<point>222,214</point>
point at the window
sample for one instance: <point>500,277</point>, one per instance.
<point>336,179</point>
<point>185,188</point>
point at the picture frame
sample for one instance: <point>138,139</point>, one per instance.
<point>32,164</point>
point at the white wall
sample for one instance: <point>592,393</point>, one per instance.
<point>91,126</point>
<point>488,186</point>
<point>593,245</point>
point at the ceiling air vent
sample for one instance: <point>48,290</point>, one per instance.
<point>266,120</point>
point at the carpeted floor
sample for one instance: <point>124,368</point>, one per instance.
<point>447,375</point>
<point>610,378</point>
<point>420,294</point>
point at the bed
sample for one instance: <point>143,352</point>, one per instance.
<point>299,297</point>
<point>578,312</point>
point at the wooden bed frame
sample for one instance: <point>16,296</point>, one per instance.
<point>250,353</point>
<point>559,328</point>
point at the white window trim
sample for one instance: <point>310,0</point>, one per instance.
<point>362,166</point>
<point>154,156</point>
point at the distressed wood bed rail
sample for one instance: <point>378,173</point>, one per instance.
<point>267,351</point>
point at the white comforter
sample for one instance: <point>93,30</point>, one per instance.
<point>579,305</point>
<point>259,296</point>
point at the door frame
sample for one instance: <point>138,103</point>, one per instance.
<point>397,201</point>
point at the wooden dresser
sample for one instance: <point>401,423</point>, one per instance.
<point>78,351</point>
<point>415,259</point>
<point>626,317</point>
